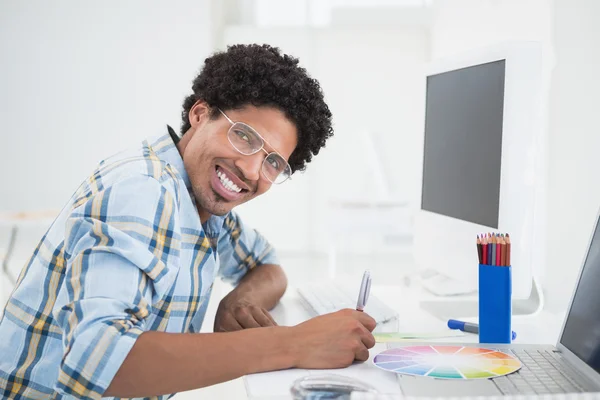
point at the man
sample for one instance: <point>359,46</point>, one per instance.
<point>113,297</point>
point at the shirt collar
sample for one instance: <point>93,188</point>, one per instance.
<point>173,135</point>
<point>165,148</point>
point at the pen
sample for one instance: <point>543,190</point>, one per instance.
<point>470,327</point>
<point>365,289</point>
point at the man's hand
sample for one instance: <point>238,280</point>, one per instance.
<point>246,306</point>
<point>236,313</point>
<point>333,340</point>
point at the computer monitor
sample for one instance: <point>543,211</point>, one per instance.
<point>482,162</point>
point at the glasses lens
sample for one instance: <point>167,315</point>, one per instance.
<point>276,169</point>
<point>244,138</point>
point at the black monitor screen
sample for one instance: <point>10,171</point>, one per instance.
<point>581,334</point>
<point>463,143</point>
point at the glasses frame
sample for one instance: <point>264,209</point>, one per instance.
<point>262,147</point>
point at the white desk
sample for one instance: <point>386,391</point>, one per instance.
<point>541,329</point>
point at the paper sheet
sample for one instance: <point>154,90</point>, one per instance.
<point>277,384</point>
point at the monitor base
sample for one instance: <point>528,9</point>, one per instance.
<point>447,307</point>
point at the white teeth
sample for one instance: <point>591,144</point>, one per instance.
<point>227,182</point>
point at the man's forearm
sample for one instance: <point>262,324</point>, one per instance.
<point>161,363</point>
<point>263,286</point>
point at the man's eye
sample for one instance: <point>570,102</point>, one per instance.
<point>243,136</point>
<point>274,163</point>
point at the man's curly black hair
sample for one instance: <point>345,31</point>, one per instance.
<point>261,75</point>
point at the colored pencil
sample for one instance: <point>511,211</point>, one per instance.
<point>498,250</point>
<point>494,249</point>
<point>490,250</point>
<point>499,237</point>
<point>493,260</point>
<point>501,248</point>
<point>507,250</point>
<point>484,246</point>
<point>488,246</point>
<point>504,263</point>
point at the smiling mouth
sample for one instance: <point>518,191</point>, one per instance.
<point>227,184</point>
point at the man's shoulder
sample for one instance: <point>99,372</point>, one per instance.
<point>140,164</point>
<point>140,160</point>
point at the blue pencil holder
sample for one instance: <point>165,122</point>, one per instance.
<point>495,292</point>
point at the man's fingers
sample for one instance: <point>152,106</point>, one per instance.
<point>246,319</point>
<point>229,324</point>
<point>361,354</point>
<point>365,319</point>
<point>264,318</point>
<point>268,314</point>
<point>367,338</point>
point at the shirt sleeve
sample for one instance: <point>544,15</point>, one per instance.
<point>119,243</point>
<point>241,249</point>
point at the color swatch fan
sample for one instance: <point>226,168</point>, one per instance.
<point>447,362</point>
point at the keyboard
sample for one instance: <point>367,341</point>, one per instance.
<point>544,375</point>
<point>542,372</point>
<point>324,298</point>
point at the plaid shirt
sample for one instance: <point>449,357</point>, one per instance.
<point>128,254</point>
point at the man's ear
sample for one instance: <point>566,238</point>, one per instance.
<point>199,114</point>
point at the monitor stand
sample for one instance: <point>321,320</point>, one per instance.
<point>447,307</point>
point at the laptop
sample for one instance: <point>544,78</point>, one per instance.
<point>573,365</point>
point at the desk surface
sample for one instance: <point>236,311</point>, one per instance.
<point>542,329</point>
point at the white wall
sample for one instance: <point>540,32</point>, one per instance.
<point>460,25</point>
<point>82,80</point>
<point>371,81</point>
<point>574,192</point>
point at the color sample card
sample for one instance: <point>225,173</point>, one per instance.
<point>447,362</point>
<point>416,336</point>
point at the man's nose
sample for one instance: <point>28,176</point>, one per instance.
<point>251,165</point>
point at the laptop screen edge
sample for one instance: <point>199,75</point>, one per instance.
<point>570,356</point>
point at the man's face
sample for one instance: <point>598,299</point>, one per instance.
<point>213,164</point>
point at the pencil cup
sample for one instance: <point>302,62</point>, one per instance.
<point>495,291</point>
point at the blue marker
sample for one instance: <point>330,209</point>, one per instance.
<point>470,327</point>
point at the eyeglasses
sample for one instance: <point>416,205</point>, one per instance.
<point>247,141</point>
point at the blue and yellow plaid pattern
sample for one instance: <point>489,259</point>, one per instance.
<point>128,254</point>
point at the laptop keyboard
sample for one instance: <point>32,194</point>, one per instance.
<point>542,372</point>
